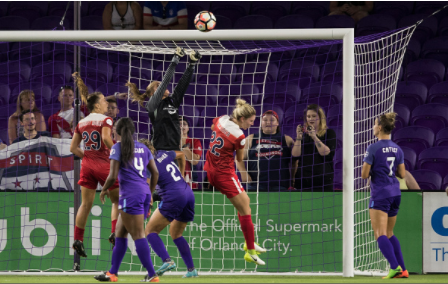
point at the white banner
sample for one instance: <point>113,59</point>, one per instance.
<point>435,232</point>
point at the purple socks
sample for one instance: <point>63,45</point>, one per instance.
<point>397,250</point>
<point>184,249</point>
<point>144,254</point>
<point>388,251</point>
<point>121,245</point>
<point>158,247</point>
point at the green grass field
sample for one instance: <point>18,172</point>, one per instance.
<point>433,278</point>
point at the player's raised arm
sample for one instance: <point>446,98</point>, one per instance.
<point>181,88</point>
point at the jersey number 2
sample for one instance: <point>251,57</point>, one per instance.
<point>172,170</point>
<point>219,144</point>
<point>95,137</point>
<point>392,160</point>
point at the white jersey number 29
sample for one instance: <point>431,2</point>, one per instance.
<point>392,160</point>
<point>171,168</point>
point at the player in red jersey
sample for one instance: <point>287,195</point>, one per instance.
<point>227,137</point>
<point>95,130</point>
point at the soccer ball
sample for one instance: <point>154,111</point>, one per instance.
<point>205,21</point>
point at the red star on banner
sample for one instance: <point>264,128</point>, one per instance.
<point>37,179</point>
<point>17,183</point>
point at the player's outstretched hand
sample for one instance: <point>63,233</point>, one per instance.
<point>179,51</point>
<point>103,194</point>
<point>195,56</point>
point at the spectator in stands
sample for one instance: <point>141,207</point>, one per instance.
<point>60,124</point>
<point>122,15</point>
<point>314,147</point>
<point>2,145</point>
<point>355,9</point>
<point>28,122</point>
<point>25,101</point>
<point>408,182</point>
<point>269,157</point>
<point>192,149</point>
<point>112,109</point>
<point>165,15</point>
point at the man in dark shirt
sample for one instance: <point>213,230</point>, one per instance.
<point>28,121</point>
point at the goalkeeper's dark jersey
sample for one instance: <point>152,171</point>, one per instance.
<point>164,114</point>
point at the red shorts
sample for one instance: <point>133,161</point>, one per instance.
<point>227,183</point>
<point>97,173</point>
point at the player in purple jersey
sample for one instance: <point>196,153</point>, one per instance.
<point>382,162</point>
<point>129,160</point>
<point>176,208</point>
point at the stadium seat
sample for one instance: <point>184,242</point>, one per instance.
<point>30,10</point>
<point>427,71</point>
<point>304,71</point>
<point>374,24</point>
<point>439,93</point>
<point>443,27</point>
<point>435,158</point>
<point>337,161</point>
<point>411,94</point>
<point>96,72</point>
<point>32,53</point>
<point>96,8</point>
<point>14,23</point>
<point>5,94</point>
<point>193,8</point>
<point>427,179</point>
<point>53,73</point>
<point>14,73</point>
<point>403,115</point>
<point>253,22</point>
<point>412,51</point>
<point>335,22</point>
<point>255,73</point>
<point>426,30</point>
<point>42,92</point>
<point>271,9</point>
<point>294,22</point>
<point>442,138</point>
<point>410,158</point>
<point>57,8</point>
<point>191,112</point>
<point>3,8</point>
<point>224,23</point>
<point>216,73</point>
<point>325,94</point>
<point>202,95</point>
<point>229,93</point>
<point>233,10</point>
<point>429,7</point>
<point>397,9</point>
<point>332,72</point>
<point>121,72</point>
<point>50,23</point>
<point>445,182</point>
<point>292,91</point>
<point>313,9</point>
<point>434,116</point>
<point>294,115</point>
<point>417,138</point>
<point>436,48</point>
<point>92,23</point>
<point>334,116</point>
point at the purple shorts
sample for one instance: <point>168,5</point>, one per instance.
<point>180,207</point>
<point>388,205</point>
<point>135,204</point>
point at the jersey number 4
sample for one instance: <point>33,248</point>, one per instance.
<point>219,144</point>
<point>95,137</point>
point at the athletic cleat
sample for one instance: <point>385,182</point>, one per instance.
<point>179,51</point>
<point>393,272</point>
<point>78,246</point>
<point>258,249</point>
<point>106,277</point>
<point>404,274</point>
<point>112,239</point>
<point>154,278</point>
<point>195,56</point>
<point>167,266</point>
<point>253,258</point>
<point>190,274</point>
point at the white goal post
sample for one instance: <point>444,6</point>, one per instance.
<point>348,55</point>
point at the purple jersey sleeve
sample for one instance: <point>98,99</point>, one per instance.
<point>369,155</point>
<point>115,152</point>
<point>401,157</point>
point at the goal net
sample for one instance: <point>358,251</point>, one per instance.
<point>302,229</point>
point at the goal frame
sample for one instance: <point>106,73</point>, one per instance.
<point>348,54</point>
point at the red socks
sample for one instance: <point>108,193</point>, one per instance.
<point>114,224</point>
<point>79,234</point>
<point>248,230</point>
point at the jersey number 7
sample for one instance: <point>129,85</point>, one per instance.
<point>219,144</point>
<point>392,160</point>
